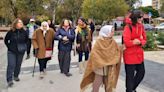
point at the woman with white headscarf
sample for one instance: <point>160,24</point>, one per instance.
<point>104,62</point>
<point>43,44</point>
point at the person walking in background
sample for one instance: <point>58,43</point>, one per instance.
<point>104,63</point>
<point>31,27</point>
<point>115,26</point>
<point>43,43</point>
<point>66,36</point>
<point>51,25</point>
<point>134,38</point>
<point>83,39</point>
<point>15,41</point>
<point>92,27</point>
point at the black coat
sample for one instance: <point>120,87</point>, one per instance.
<point>13,38</point>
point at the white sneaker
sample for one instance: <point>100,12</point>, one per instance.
<point>45,72</point>
<point>81,67</point>
<point>41,75</point>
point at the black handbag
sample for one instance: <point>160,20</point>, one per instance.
<point>22,47</point>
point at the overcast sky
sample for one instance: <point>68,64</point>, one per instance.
<point>146,2</point>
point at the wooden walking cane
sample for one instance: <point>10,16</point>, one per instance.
<point>34,67</point>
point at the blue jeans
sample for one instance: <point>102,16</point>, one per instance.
<point>81,56</point>
<point>14,65</point>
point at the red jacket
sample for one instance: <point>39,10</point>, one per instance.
<point>134,54</point>
<point>127,20</point>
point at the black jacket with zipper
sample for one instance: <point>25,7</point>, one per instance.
<point>13,38</point>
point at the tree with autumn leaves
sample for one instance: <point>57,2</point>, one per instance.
<point>59,9</point>
<point>104,9</point>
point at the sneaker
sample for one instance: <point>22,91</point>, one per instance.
<point>10,84</point>
<point>16,79</point>
<point>68,74</point>
<point>41,75</point>
<point>45,72</point>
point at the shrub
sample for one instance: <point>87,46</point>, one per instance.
<point>151,42</point>
<point>160,38</point>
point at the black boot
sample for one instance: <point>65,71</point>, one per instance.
<point>10,84</point>
<point>28,56</point>
<point>16,79</point>
<point>68,74</point>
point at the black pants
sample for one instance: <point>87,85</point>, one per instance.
<point>81,56</point>
<point>43,64</point>
<point>64,61</point>
<point>134,75</point>
<point>29,46</point>
<point>14,65</point>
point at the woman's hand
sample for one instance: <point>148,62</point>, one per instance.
<point>136,42</point>
<point>87,37</point>
<point>65,38</point>
<point>35,52</point>
<point>78,45</point>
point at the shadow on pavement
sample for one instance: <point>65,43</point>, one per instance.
<point>154,76</point>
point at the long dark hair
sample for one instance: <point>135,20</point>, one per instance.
<point>83,20</point>
<point>135,15</point>
<point>62,23</point>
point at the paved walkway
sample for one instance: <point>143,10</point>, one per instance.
<point>56,82</point>
<point>3,60</point>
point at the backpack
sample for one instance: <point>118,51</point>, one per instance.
<point>130,26</point>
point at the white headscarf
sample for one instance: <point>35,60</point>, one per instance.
<point>44,24</point>
<point>106,30</point>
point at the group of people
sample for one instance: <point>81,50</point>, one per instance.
<point>102,62</point>
<point>105,58</point>
<point>19,39</point>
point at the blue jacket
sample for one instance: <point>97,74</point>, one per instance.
<point>65,46</point>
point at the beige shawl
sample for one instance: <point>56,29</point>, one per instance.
<point>106,52</point>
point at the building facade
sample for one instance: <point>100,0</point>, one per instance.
<point>156,4</point>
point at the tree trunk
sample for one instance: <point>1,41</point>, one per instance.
<point>13,8</point>
<point>54,16</point>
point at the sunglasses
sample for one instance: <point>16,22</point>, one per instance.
<point>140,17</point>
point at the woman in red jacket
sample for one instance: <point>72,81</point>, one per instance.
<point>134,38</point>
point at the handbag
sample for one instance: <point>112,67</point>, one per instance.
<point>65,42</point>
<point>22,47</point>
<point>48,53</point>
